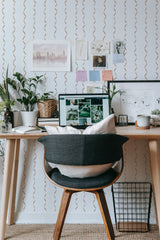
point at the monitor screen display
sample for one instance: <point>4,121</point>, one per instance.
<point>81,110</point>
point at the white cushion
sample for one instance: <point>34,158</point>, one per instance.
<point>62,130</point>
<point>82,171</point>
<point>107,125</point>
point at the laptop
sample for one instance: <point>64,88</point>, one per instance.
<point>82,110</point>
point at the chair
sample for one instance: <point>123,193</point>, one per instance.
<point>83,150</point>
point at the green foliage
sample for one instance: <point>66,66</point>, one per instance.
<point>112,92</point>
<point>158,100</point>
<point>26,90</point>
<point>156,111</point>
<point>1,150</point>
<point>5,95</point>
<point>45,96</point>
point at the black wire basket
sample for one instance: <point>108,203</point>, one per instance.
<point>132,204</point>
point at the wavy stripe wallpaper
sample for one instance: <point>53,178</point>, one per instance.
<point>132,21</point>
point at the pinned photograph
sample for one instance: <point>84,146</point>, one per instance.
<point>99,47</point>
<point>118,47</point>
<point>81,52</point>
<point>118,52</point>
<point>94,87</point>
<point>99,61</point>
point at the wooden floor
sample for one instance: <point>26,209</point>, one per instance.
<point>73,232</point>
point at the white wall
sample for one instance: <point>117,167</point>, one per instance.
<point>135,22</point>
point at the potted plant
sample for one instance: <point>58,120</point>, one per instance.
<point>6,103</point>
<point>112,92</point>
<point>47,105</point>
<point>27,96</point>
<point>155,115</point>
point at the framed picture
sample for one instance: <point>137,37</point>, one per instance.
<point>123,120</point>
<point>49,56</point>
<point>135,97</point>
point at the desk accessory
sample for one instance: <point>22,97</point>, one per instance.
<point>123,120</point>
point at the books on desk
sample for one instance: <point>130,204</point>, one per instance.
<point>26,130</point>
<point>48,121</point>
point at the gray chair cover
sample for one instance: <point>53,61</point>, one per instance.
<point>83,150</point>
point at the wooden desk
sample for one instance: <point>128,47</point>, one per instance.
<point>11,168</point>
<point>152,135</point>
<point>10,176</point>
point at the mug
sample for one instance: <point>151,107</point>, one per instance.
<point>143,120</point>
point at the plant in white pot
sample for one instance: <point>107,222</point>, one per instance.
<point>27,96</point>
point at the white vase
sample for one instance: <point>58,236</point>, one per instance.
<point>29,118</point>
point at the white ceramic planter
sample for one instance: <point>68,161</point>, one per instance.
<point>29,118</point>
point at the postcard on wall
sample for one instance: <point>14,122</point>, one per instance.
<point>81,50</point>
<point>99,48</point>
<point>118,47</point>
<point>94,76</point>
<point>81,76</point>
<point>50,56</point>
<point>94,87</point>
<point>107,75</point>
<point>99,61</point>
<point>118,58</point>
<point>118,51</point>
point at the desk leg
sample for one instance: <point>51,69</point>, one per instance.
<point>155,171</point>
<point>14,183</point>
<point>8,164</point>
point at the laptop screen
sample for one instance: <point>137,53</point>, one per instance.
<point>82,110</point>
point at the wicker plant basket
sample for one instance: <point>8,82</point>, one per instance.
<point>46,108</point>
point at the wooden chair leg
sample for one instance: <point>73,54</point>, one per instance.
<point>66,197</point>
<point>105,214</point>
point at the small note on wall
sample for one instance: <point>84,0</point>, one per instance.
<point>107,75</point>
<point>81,50</point>
<point>94,75</point>
<point>99,48</point>
<point>118,52</point>
<point>81,76</point>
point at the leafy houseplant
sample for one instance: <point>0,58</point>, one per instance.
<point>155,115</point>
<point>47,106</point>
<point>156,111</point>
<point>5,95</point>
<point>6,103</point>
<point>26,90</point>
<point>45,96</point>
<point>112,92</point>
<point>27,96</point>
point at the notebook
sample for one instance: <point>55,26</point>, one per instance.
<point>82,110</point>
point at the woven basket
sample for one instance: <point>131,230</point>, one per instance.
<point>46,108</point>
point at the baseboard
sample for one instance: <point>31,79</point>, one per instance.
<point>29,218</point>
